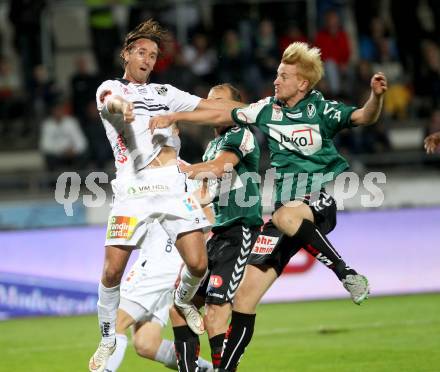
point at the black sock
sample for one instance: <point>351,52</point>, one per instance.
<point>216,344</point>
<point>237,338</point>
<point>316,243</point>
<point>187,346</point>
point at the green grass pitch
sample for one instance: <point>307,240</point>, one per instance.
<point>385,334</point>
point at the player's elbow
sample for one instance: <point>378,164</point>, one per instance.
<point>361,118</point>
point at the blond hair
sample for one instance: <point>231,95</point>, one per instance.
<point>148,29</point>
<point>307,59</point>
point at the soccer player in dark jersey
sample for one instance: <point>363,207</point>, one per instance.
<point>231,158</point>
<point>299,125</point>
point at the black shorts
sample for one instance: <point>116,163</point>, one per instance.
<point>274,249</point>
<point>228,251</point>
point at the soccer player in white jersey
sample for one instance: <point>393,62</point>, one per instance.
<point>148,182</point>
<point>146,296</point>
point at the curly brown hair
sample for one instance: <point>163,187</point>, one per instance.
<point>148,29</point>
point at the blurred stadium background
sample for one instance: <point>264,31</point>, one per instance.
<point>54,54</point>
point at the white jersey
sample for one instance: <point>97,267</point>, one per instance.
<point>134,147</point>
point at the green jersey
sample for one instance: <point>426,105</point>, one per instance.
<point>300,140</point>
<point>237,194</point>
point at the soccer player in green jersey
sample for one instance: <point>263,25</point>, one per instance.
<point>299,125</point>
<point>232,158</point>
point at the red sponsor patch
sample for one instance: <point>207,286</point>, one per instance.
<point>215,281</point>
<point>121,150</point>
<point>104,94</point>
<point>264,244</point>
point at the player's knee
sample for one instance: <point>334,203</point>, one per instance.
<point>198,267</point>
<point>112,275</point>
<point>286,221</point>
<point>144,348</point>
<point>242,302</point>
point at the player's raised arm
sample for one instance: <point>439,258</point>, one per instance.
<point>369,113</point>
<point>224,161</point>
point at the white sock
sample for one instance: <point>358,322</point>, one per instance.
<point>108,302</point>
<point>118,355</point>
<point>167,356</point>
<point>204,364</point>
<point>188,286</point>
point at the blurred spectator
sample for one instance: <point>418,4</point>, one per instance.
<point>25,16</point>
<point>398,95</point>
<point>178,73</point>
<point>231,57</point>
<point>168,51</point>
<point>292,34</point>
<point>100,151</point>
<point>266,50</point>
<point>428,84</point>
<point>42,92</point>
<point>370,44</point>
<point>11,100</point>
<point>375,139</point>
<point>335,50</point>
<point>83,85</point>
<point>105,35</point>
<point>62,142</point>
<point>362,77</point>
<point>408,33</point>
<point>200,58</point>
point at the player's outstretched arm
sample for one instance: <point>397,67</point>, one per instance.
<point>217,118</point>
<point>369,113</point>
<point>432,142</point>
<point>224,161</point>
<point>219,104</point>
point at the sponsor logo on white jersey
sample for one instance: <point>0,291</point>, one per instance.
<point>304,138</point>
<point>162,90</point>
<point>147,189</point>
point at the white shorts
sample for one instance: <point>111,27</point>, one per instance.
<point>146,291</point>
<point>141,314</point>
<point>154,193</point>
